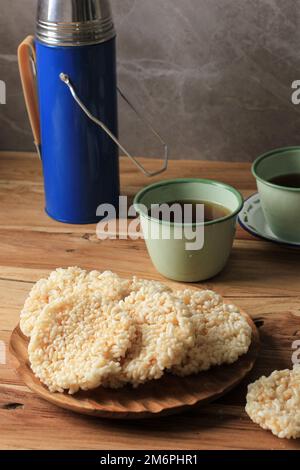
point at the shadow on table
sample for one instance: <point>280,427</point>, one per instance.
<point>260,269</point>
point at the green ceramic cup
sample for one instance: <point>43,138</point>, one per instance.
<point>170,248</point>
<point>280,205</point>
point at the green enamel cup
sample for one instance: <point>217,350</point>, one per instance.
<point>172,250</point>
<point>280,204</point>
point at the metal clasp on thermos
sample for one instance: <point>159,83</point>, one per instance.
<point>66,79</point>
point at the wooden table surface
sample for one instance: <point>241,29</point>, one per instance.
<point>263,278</point>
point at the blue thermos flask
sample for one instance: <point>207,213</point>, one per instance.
<point>68,73</point>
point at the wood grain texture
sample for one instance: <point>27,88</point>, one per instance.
<point>264,279</point>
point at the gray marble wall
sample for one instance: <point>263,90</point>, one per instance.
<point>213,75</point>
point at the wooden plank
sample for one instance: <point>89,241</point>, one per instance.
<point>33,424</point>
<point>22,196</point>
<point>276,274</point>
<point>18,166</point>
<point>261,277</point>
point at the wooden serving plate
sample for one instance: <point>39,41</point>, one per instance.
<point>168,395</point>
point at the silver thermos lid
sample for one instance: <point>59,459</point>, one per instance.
<point>74,22</point>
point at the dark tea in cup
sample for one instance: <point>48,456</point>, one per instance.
<point>290,180</point>
<point>187,211</point>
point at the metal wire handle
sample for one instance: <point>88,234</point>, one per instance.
<point>65,79</point>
